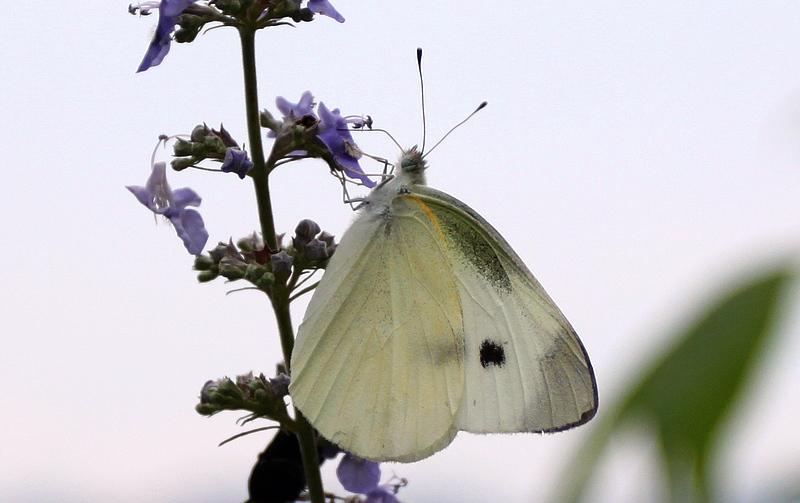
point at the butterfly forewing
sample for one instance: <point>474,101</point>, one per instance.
<point>378,366</point>
<point>526,369</point>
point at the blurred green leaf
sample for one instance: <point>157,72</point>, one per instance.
<point>687,395</point>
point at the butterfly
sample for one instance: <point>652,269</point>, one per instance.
<point>426,323</point>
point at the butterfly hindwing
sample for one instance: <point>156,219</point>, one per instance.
<point>378,366</point>
<point>526,369</point>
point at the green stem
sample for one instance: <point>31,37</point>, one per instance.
<point>259,172</point>
<point>303,430</point>
<point>308,448</point>
<point>280,305</point>
<point>280,294</point>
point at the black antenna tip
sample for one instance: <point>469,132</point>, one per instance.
<point>482,105</point>
<point>419,55</point>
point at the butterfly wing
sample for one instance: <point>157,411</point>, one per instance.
<point>526,369</point>
<point>378,365</point>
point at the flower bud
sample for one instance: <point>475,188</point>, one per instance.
<point>316,250</point>
<point>182,147</point>
<point>208,387</point>
<point>199,133</point>
<point>190,27</point>
<point>303,15</point>
<point>281,265</point>
<point>182,163</point>
<point>218,253</point>
<point>251,243</point>
<point>228,387</point>
<point>236,161</point>
<point>305,232</point>
<point>225,137</point>
<point>212,147</point>
<point>280,384</point>
<point>254,271</point>
<point>243,380</point>
<point>329,240</point>
<point>203,263</point>
<point>206,276</point>
<point>265,281</point>
<point>231,268</point>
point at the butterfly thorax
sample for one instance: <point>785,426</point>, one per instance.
<point>410,170</point>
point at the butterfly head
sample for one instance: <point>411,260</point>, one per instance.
<point>412,166</point>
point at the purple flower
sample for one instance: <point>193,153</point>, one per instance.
<point>162,200</point>
<point>358,475</point>
<point>325,8</point>
<point>293,111</point>
<point>381,495</point>
<point>334,133</point>
<point>296,110</point>
<point>236,161</point>
<point>169,12</point>
<point>362,476</point>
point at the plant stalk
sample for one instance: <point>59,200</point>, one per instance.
<point>280,294</point>
<point>259,172</point>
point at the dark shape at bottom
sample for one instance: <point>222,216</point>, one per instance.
<point>278,476</point>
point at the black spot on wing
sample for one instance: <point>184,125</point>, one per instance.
<point>492,353</point>
<point>472,245</point>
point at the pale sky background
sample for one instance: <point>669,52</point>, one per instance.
<point>637,156</point>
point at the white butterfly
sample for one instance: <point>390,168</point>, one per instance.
<point>426,323</point>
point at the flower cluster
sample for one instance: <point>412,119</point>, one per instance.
<point>262,397</point>
<point>158,197</point>
<point>207,143</point>
<point>191,17</point>
<point>302,133</point>
<point>248,259</point>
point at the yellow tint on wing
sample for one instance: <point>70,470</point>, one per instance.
<point>378,366</point>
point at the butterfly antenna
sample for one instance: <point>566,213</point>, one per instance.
<point>376,130</point>
<point>422,97</point>
<point>480,107</point>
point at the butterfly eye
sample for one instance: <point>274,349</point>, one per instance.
<point>492,353</point>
